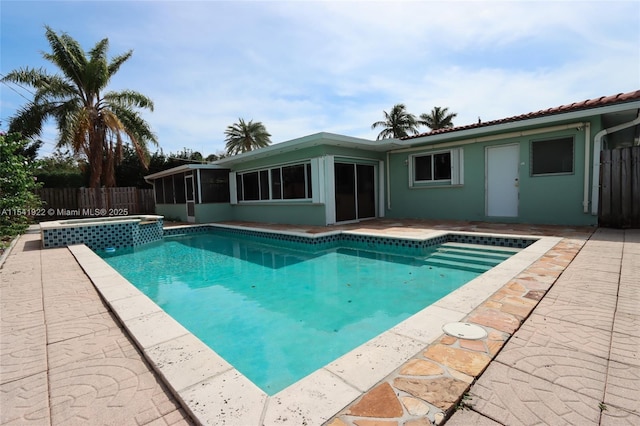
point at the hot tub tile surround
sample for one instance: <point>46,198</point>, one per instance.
<point>318,397</point>
<point>100,233</point>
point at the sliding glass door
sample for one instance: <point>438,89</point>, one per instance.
<point>355,191</point>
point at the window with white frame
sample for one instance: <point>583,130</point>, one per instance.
<point>436,168</point>
<point>290,182</point>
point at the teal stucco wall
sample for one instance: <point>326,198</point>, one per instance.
<point>204,213</point>
<point>298,214</point>
<point>550,199</point>
<point>172,211</point>
<point>213,212</point>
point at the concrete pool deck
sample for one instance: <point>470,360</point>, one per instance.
<point>72,368</point>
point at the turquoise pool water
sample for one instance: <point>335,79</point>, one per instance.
<point>279,314</point>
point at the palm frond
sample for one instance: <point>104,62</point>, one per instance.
<point>29,120</point>
<point>398,123</point>
<point>128,99</point>
<point>117,61</point>
<point>243,137</point>
<point>67,55</point>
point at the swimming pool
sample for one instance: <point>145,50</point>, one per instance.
<point>267,305</point>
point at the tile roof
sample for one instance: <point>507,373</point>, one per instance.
<point>576,106</point>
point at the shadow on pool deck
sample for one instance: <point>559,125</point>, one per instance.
<point>65,358</point>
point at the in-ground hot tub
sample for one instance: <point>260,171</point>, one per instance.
<point>102,232</point>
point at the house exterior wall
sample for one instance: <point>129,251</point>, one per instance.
<point>213,212</point>
<point>204,213</point>
<point>172,211</point>
<point>293,212</point>
<point>289,213</point>
<point>549,199</point>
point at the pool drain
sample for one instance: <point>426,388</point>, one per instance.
<point>464,330</point>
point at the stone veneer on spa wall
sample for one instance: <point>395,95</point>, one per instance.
<point>100,233</point>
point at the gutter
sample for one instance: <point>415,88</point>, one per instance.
<point>587,145</point>
<point>597,146</point>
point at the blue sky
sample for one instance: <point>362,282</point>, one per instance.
<point>302,67</point>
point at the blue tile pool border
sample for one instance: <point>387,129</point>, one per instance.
<point>397,245</point>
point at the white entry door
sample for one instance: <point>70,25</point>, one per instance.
<point>502,180</point>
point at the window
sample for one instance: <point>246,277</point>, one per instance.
<point>159,189</point>
<point>442,168</point>
<point>276,184</point>
<point>215,185</point>
<point>554,156</point>
<point>168,190</point>
<point>251,189</point>
<point>264,184</point>
<point>279,183</point>
<point>178,184</point>
<point>293,182</point>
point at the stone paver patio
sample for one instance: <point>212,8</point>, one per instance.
<point>64,359</point>
<point>574,360</point>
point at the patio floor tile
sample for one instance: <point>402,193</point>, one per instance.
<point>614,416</point>
<point>550,332</point>
<point>583,373</point>
<point>577,294</point>
<point>20,316</point>
<point>590,316</point>
<point>25,401</point>
<point>114,386</point>
<point>95,325</point>
<point>629,299</point>
<point>69,307</point>
<point>23,353</point>
<point>466,417</point>
<point>515,398</point>
<point>72,350</point>
<point>627,323</point>
<point>625,349</point>
<point>623,386</point>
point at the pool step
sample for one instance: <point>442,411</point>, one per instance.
<point>474,260</point>
<point>496,249</point>
<point>468,256</point>
<point>495,256</point>
<point>445,263</point>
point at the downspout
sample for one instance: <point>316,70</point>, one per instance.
<point>597,145</point>
<point>388,185</point>
<point>587,145</point>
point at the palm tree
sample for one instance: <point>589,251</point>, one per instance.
<point>438,118</point>
<point>243,137</point>
<point>93,121</point>
<point>397,124</point>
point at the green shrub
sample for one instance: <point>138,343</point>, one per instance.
<point>18,201</point>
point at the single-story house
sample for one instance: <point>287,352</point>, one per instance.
<point>542,167</point>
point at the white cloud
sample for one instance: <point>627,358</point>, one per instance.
<point>303,67</point>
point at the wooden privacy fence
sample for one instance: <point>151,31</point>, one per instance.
<point>62,202</point>
<point>620,188</point>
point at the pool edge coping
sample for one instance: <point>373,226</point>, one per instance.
<point>317,397</point>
